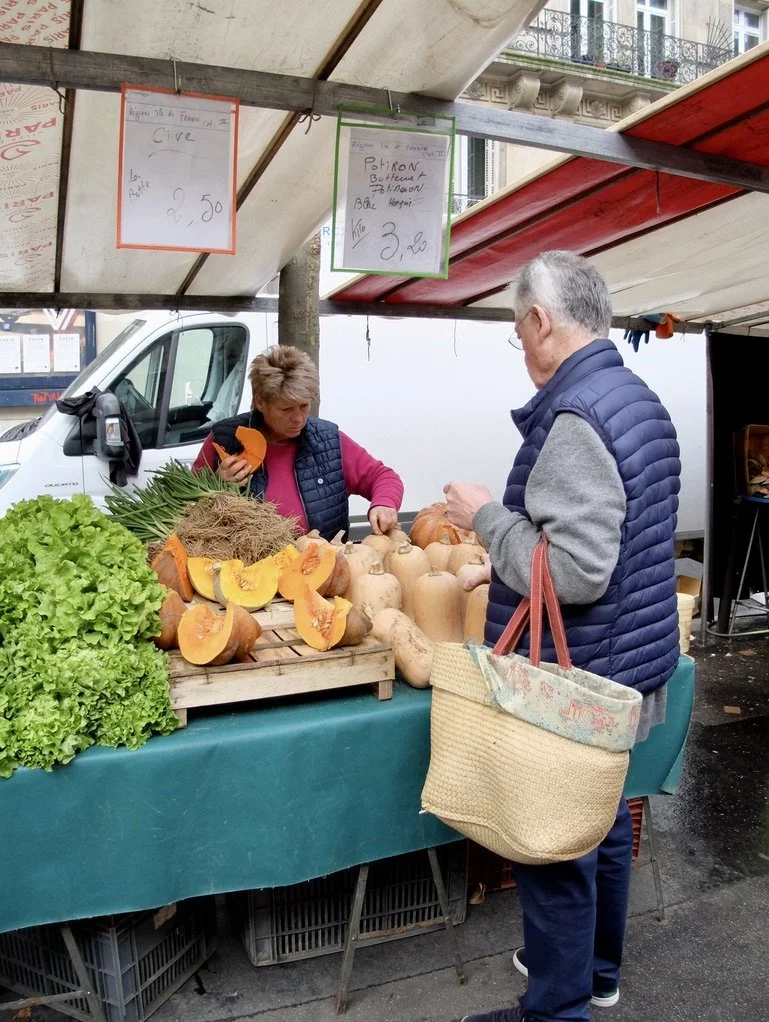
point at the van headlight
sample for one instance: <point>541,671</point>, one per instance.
<point>7,472</point>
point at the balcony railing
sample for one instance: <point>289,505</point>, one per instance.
<point>562,36</point>
<point>459,203</point>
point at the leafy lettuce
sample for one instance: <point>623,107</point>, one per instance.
<point>78,604</point>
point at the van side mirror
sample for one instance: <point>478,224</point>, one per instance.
<point>110,442</point>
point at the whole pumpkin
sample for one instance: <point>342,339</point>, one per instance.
<point>431,523</point>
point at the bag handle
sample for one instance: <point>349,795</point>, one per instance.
<point>529,612</point>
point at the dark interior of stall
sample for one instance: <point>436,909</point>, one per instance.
<point>740,397</point>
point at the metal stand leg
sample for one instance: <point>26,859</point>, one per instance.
<point>738,595</point>
<point>443,901</point>
<point>653,858</point>
<point>350,944</point>
<point>94,1004</point>
<point>85,989</point>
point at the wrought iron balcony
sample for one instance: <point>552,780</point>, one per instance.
<point>459,203</point>
<point>562,36</point>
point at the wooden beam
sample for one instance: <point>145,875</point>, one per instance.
<point>106,72</point>
<point>235,303</point>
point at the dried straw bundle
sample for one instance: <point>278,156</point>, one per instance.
<point>228,525</point>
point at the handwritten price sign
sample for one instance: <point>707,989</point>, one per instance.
<point>391,214</point>
<point>178,155</point>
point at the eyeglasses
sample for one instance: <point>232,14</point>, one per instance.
<point>518,324</point>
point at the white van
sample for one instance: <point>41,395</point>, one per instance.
<point>430,398</point>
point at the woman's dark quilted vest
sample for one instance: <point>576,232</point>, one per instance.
<point>318,470</point>
<point>631,633</point>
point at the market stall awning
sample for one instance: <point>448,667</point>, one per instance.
<point>59,154</point>
<point>662,241</point>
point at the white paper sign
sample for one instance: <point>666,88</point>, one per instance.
<point>177,172</point>
<point>395,201</point>
<point>10,353</point>
<point>66,353</point>
<point>36,350</point>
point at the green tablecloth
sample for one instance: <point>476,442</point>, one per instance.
<point>259,798</point>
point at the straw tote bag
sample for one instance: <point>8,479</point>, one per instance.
<point>527,759</point>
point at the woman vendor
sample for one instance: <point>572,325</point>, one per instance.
<point>311,466</point>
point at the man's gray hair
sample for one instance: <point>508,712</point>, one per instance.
<point>568,288</point>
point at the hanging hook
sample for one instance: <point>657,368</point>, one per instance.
<point>177,80</point>
<point>55,85</point>
<point>309,115</point>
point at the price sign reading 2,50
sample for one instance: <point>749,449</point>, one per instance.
<point>392,242</point>
<point>178,212</point>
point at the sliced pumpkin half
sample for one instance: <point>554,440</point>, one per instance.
<point>208,637</point>
<point>251,587</point>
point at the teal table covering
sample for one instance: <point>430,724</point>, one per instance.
<point>234,801</point>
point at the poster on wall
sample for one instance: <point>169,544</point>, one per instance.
<point>392,190</point>
<point>41,352</point>
<point>177,171</point>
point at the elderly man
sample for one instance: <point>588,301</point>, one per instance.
<point>598,473</point>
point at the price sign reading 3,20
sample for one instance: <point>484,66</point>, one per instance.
<point>395,201</point>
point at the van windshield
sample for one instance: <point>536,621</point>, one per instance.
<point>102,357</point>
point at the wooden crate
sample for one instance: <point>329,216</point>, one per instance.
<point>281,665</point>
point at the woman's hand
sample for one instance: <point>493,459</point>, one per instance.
<point>463,500</point>
<point>477,574</point>
<point>234,469</point>
<point>382,519</point>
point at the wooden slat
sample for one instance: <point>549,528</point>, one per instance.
<point>366,664</point>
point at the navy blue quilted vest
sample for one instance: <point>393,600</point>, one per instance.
<point>631,633</point>
<point>318,470</point>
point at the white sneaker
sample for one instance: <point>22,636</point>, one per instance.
<point>607,1000</point>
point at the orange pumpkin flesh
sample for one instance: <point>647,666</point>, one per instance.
<point>254,447</point>
<point>209,638</point>
<point>170,566</point>
<point>320,623</point>
<point>171,613</point>
<point>251,587</point>
<point>201,572</point>
<point>314,567</point>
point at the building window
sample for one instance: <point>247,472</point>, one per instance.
<point>652,25</point>
<point>587,18</point>
<point>476,171</point>
<point>748,30</point>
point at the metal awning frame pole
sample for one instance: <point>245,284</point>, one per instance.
<point>108,72</point>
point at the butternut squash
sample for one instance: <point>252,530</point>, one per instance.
<point>360,558</point>
<point>209,637</point>
<point>314,567</point>
<point>438,553</point>
<point>412,650</point>
<point>302,542</point>
<point>398,536</point>
<point>467,571</point>
<point>170,566</point>
<point>377,588</point>
<point>382,544</point>
<point>475,612</point>
<point>437,606</point>
<point>171,613</point>
<point>251,587</point>
<point>464,552</point>
<point>407,563</point>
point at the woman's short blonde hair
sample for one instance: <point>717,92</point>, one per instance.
<point>283,373</point>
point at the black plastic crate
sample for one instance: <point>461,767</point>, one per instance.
<point>304,920</point>
<point>135,961</point>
